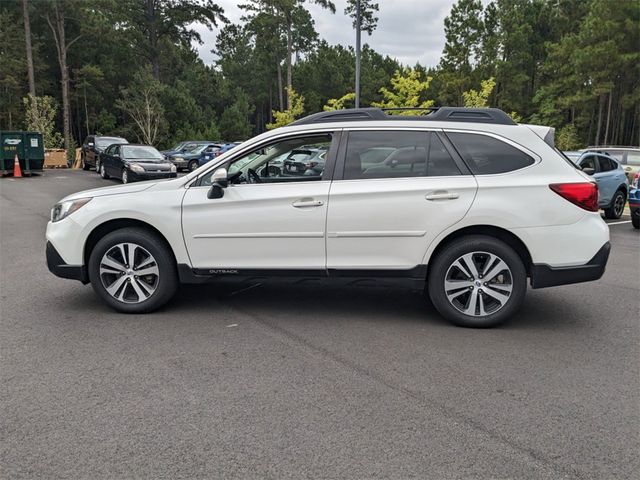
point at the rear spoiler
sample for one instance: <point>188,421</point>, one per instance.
<point>548,134</point>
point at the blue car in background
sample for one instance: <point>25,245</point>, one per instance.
<point>182,148</point>
<point>211,154</point>
<point>190,159</point>
<point>634,201</point>
<point>613,186</point>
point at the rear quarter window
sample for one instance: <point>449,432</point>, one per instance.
<point>486,155</point>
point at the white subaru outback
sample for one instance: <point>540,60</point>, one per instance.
<point>464,201</point>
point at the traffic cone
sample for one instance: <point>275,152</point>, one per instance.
<point>17,173</point>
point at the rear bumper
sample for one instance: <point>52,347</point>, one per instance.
<point>59,268</point>
<point>543,275</point>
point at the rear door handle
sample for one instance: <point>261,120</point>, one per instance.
<point>441,196</point>
<point>305,203</point>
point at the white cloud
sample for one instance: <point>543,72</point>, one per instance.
<point>411,31</point>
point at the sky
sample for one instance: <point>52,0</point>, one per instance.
<point>412,31</point>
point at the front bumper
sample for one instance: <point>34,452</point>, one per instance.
<point>59,268</point>
<point>545,276</point>
<point>151,175</point>
<point>179,162</point>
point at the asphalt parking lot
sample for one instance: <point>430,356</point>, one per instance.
<point>301,382</point>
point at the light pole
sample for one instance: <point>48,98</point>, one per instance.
<point>357,53</point>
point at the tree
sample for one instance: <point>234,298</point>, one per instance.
<point>475,99</point>
<point>29,49</point>
<point>368,18</point>
<point>58,27</point>
<point>87,77</point>
<point>234,122</point>
<point>407,91</point>
<point>567,138</point>
<point>286,15</point>
<point>40,117</point>
<point>154,22</point>
<point>140,101</point>
<point>339,103</point>
<point>290,114</point>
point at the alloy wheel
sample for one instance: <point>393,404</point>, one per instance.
<point>129,273</point>
<point>125,176</point>
<point>478,284</point>
<point>618,205</point>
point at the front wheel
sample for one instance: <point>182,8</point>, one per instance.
<point>84,163</point>
<point>477,281</point>
<point>97,165</point>
<point>125,175</point>
<point>635,220</point>
<point>193,164</point>
<point>133,270</point>
<point>103,171</point>
<point>616,208</point>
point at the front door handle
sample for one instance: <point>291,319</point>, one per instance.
<point>307,202</point>
<point>441,196</point>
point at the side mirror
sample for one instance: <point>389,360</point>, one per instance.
<point>220,177</point>
<point>589,170</point>
<point>219,183</point>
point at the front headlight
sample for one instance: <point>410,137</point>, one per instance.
<point>64,209</point>
<point>134,167</point>
<point>173,169</point>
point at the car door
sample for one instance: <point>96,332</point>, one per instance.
<point>385,210</point>
<point>111,160</point>
<point>606,179</point>
<point>266,220</point>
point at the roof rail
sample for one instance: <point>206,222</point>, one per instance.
<point>438,114</point>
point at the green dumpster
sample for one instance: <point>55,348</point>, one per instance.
<point>28,146</point>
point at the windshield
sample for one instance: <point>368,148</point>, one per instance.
<point>106,141</point>
<point>138,151</point>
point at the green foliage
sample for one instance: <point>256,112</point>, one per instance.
<point>339,103</point>
<point>141,103</point>
<point>289,115</point>
<point>567,138</point>
<point>234,122</point>
<point>480,99</point>
<point>368,19</point>
<point>407,89</point>
<point>40,114</point>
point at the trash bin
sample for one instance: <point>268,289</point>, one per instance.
<point>29,147</point>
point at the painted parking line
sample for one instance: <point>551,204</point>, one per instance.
<point>619,223</point>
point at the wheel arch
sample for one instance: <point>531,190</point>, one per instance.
<point>491,231</point>
<point>116,224</point>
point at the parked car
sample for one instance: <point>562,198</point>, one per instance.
<point>190,159</point>
<point>93,146</point>
<point>185,146</point>
<point>308,160</point>
<point>613,187</point>
<point>629,157</point>
<point>634,201</point>
<point>481,207</point>
<point>130,163</point>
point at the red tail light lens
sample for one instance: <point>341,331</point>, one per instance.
<point>636,180</point>
<point>584,195</point>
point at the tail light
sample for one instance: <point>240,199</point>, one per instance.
<point>636,180</point>
<point>584,195</point>
<point>310,164</point>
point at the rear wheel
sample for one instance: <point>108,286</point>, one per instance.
<point>84,162</point>
<point>635,220</point>
<point>103,171</point>
<point>193,164</point>
<point>97,166</point>
<point>477,281</point>
<point>616,208</point>
<point>133,270</point>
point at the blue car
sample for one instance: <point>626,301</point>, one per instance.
<point>184,148</point>
<point>613,186</point>
<point>211,154</point>
<point>634,201</point>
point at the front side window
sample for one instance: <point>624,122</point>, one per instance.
<point>396,154</point>
<point>589,162</point>
<point>485,155</point>
<point>299,159</point>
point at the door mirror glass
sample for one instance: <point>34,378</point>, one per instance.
<point>589,170</point>
<point>220,178</point>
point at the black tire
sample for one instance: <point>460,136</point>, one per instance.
<point>103,172</point>
<point>193,164</point>
<point>124,176</point>
<point>98,166</point>
<point>84,163</point>
<point>167,279</point>
<point>479,246</point>
<point>616,209</point>
<point>635,220</point>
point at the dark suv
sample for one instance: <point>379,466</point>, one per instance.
<point>92,147</point>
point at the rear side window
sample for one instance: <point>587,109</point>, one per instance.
<point>606,164</point>
<point>380,154</point>
<point>486,155</point>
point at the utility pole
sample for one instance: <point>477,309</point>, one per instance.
<point>358,20</point>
